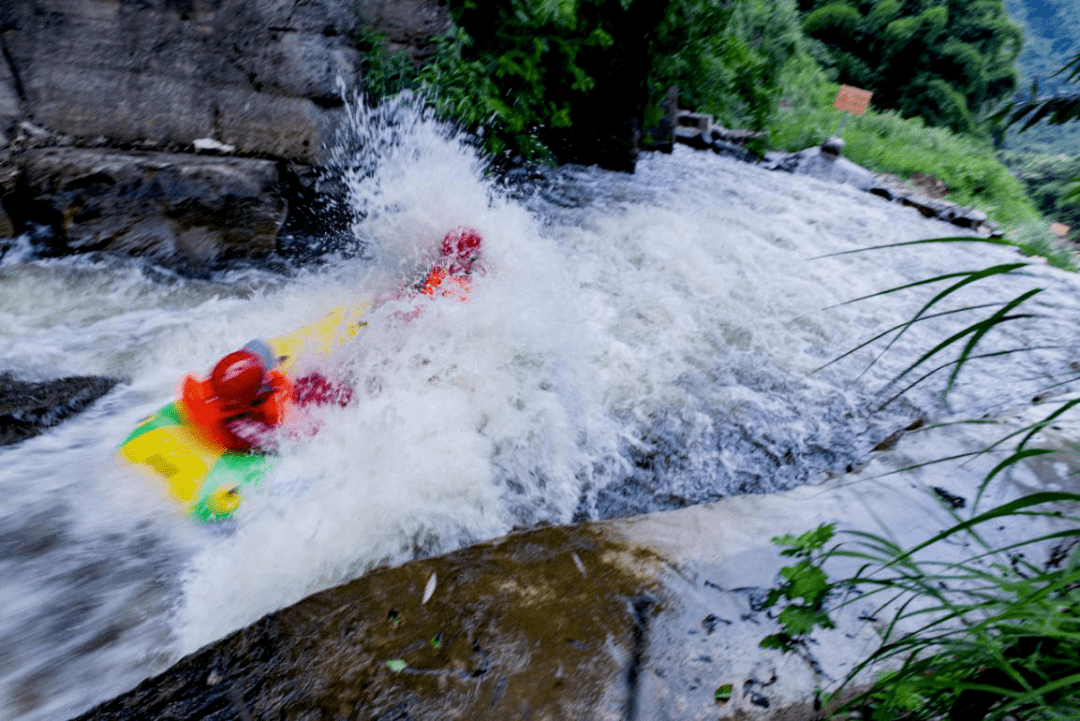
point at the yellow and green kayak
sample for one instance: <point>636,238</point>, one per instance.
<point>208,480</point>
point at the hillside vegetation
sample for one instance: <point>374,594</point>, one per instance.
<point>543,79</point>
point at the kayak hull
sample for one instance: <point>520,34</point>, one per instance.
<point>206,479</point>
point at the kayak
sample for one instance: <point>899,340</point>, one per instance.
<point>206,479</point>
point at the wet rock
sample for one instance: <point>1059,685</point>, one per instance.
<point>510,631</point>
<point>29,408</point>
<point>696,138</point>
<point>777,160</point>
<point>731,150</point>
<point>736,136</point>
<point>925,193</point>
<point>822,165</point>
<point>954,501</point>
<point>187,210</point>
<point>698,131</point>
<point>966,217</point>
<point>11,111</point>
<point>834,146</point>
<point>930,185</point>
<point>408,25</point>
<point>697,121</point>
<point>927,207</point>
<point>7,225</point>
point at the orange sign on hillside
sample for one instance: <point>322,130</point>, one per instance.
<point>1060,229</point>
<point>853,100</point>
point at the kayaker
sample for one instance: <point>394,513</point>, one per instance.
<point>242,400</point>
<point>459,257</point>
<point>245,397</point>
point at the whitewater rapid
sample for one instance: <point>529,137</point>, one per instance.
<point>635,343</point>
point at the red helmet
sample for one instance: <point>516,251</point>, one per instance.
<point>461,246</point>
<point>238,377</point>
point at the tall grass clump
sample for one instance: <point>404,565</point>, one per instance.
<point>990,636</point>
<point>970,628</point>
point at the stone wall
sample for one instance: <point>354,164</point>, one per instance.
<point>193,210</point>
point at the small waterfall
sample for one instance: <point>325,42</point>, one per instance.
<point>636,343</point>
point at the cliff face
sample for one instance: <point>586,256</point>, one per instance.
<point>261,76</point>
<point>262,79</point>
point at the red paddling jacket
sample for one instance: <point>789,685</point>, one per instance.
<point>235,428</point>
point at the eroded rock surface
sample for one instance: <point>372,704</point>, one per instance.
<point>93,95</point>
<point>545,625</point>
<point>261,76</point>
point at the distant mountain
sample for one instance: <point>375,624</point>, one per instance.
<point>1052,37</point>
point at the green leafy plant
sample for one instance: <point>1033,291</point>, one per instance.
<point>528,77</point>
<point>727,59</point>
<point>990,636</point>
<point>804,587</point>
<point>987,635</point>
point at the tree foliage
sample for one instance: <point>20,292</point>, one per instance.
<point>543,66</point>
<point>725,58</point>
<point>947,61</point>
<point>536,76</point>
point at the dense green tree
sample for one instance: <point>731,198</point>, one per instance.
<point>539,67</point>
<point>726,58</point>
<point>1052,184</point>
<point>948,61</point>
<point>568,77</point>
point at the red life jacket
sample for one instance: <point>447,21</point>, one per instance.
<point>213,417</point>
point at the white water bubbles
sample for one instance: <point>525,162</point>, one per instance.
<point>469,418</point>
<point>720,289</point>
<point>635,342</point>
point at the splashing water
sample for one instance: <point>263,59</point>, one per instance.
<point>634,343</point>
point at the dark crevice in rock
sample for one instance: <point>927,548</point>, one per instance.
<point>641,611</point>
<point>327,102</point>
